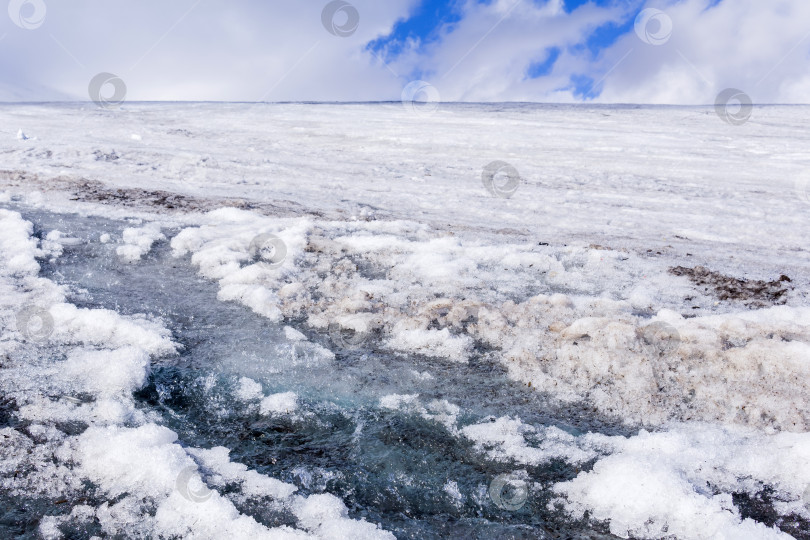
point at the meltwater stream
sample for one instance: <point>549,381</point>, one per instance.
<point>410,475</point>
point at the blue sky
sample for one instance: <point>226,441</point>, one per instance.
<point>431,19</point>
<point>685,51</point>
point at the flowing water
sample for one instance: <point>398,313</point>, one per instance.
<point>412,475</point>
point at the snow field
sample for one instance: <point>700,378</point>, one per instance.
<point>403,251</point>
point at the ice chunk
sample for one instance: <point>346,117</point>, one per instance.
<point>49,528</point>
<point>451,488</point>
<point>441,411</point>
<point>399,402</point>
<point>435,343</point>
<point>327,517</point>
<point>106,373</point>
<point>137,463</point>
<point>247,389</point>
<point>252,483</point>
<point>503,439</point>
<point>108,328</point>
<point>137,241</point>
<point>19,250</point>
<point>293,335</point>
<point>260,299</point>
<point>283,403</point>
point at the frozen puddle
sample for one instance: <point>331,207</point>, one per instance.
<point>148,407</point>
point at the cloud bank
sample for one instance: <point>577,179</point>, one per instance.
<point>631,51</point>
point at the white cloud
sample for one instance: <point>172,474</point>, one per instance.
<point>279,50</point>
<point>759,47</point>
<point>488,53</point>
<point>189,50</point>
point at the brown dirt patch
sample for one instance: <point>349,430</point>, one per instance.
<point>86,190</point>
<point>753,293</point>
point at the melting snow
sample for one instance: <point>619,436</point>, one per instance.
<point>566,285</point>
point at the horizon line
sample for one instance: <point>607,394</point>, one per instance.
<point>391,102</point>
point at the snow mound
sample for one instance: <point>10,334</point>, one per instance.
<point>679,482</point>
